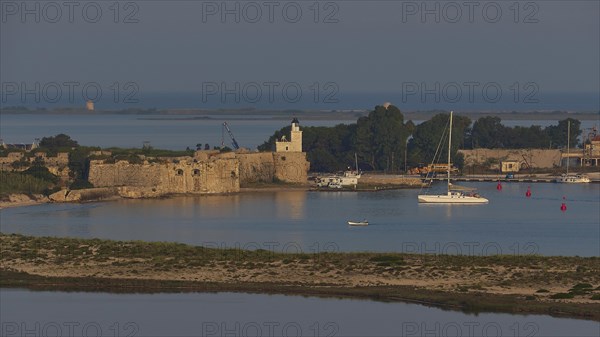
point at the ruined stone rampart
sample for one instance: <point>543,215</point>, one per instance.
<point>57,165</point>
<point>256,167</point>
<point>205,172</point>
<point>291,167</point>
<point>536,158</point>
<point>216,175</point>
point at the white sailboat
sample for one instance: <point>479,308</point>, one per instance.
<point>571,178</point>
<point>455,195</point>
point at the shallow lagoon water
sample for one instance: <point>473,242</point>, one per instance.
<point>316,221</point>
<point>234,314</point>
<point>175,133</point>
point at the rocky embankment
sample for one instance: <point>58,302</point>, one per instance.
<point>16,200</point>
<point>80,195</point>
<point>105,193</point>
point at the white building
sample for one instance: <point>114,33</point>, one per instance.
<point>294,144</point>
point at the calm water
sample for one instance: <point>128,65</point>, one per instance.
<point>132,130</point>
<point>316,221</point>
<point>230,314</point>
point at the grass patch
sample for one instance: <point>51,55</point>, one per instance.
<point>582,286</point>
<point>559,296</point>
<point>581,289</point>
<point>27,183</point>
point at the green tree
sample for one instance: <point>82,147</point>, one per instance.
<point>430,136</point>
<point>533,137</point>
<point>60,141</point>
<point>557,134</point>
<point>79,166</point>
<point>379,140</point>
<point>487,132</point>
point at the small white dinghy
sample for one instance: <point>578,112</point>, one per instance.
<point>358,223</point>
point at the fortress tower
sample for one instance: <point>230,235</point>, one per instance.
<point>294,144</point>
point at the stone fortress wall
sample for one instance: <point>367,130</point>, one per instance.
<point>182,175</point>
<point>290,167</point>
<point>206,172</point>
<point>57,165</point>
<point>536,158</point>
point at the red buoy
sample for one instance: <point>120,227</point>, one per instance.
<point>499,186</point>
<point>528,193</point>
<point>563,206</point>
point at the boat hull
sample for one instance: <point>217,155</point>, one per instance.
<point>358,223</point>
<point>573,179</point>
<point>451,199</point>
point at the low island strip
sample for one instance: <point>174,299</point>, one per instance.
<point>518,284</point>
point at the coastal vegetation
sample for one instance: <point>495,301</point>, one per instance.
<point>34,180</point>
<point>383,139</point>
<point>561,286</point>
<point>27,183</point>
<point>31,176</point>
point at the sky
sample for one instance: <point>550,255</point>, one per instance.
<point>420,50</point>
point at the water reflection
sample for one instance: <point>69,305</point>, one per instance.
<point>290,204</point>
<point>397,222</point>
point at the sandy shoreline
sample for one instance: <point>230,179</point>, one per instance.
<point>565,286</point>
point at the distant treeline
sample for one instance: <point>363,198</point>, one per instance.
<point>382,139</point>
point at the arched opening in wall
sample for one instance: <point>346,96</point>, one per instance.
<point>283,158</point>
<point>179,172</point>
<point>196,172</point>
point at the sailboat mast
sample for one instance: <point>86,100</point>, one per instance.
<point>568,143</point>
<point>449,147</point>
<point>356,162</point>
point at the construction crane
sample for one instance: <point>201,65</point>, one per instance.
<point>234,143</point>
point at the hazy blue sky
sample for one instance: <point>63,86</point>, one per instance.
<point>374,46</point>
